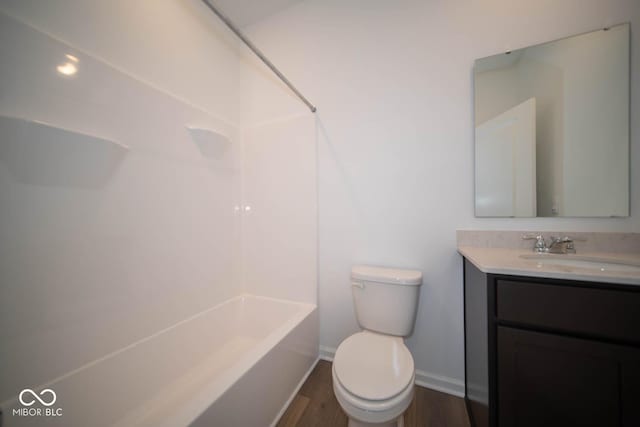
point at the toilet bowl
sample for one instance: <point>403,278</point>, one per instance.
<point>373,379</point>
<point>373,370</point>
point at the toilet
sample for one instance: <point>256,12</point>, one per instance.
<point>373,370</point>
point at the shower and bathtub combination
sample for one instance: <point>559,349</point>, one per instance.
<point>158,250</point>
<point>237,363</point>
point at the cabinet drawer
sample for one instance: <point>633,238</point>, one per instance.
<point>608,313</point>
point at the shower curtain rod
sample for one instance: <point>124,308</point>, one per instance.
<point>258,53</point>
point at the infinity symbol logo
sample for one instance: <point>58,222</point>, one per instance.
<point>36,397</point>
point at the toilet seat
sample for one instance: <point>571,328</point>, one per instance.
<point>372,411</point>
<point>374,406</point>
<point>374,367</point>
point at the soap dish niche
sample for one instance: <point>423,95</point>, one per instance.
<point>211,143</point>
<point>44,154</point>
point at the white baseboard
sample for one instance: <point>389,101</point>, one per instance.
<point>452,386</point>
<point>327,353</point>
<point>295,392</point>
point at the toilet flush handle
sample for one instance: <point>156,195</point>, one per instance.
<point>357,285</point>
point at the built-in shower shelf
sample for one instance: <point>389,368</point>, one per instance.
<point>30,130</point>
<point>40,153</point>
<point>211,143</point>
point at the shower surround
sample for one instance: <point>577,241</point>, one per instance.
<point>146,270</point>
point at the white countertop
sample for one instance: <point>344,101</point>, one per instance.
<point>509,261</point>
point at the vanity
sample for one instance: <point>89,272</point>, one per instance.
<point>551,340</point>
<point>552,326</point>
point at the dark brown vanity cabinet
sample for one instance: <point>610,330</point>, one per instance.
<point>547,352</point>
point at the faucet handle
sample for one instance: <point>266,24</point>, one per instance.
<point>569,240</point>
<point>530,236</point>
<point>540,245</point>
<point>563,239</point>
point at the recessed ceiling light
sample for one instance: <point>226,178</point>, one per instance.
<point>68,68</point>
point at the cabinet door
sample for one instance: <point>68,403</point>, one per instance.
<point>551,380</point>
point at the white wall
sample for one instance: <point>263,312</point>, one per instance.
<point>279,218</point>
<point>176,46</point>
<point>393,86</point>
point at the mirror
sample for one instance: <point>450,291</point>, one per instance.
<point>552,128</point>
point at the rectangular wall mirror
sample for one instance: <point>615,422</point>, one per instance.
<point>552,128</point>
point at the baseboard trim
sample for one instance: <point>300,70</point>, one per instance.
<point>452,386</point>
<point>295,392</point>
<point>327,353</point>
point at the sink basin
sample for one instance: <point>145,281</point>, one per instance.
<point>592,263</point>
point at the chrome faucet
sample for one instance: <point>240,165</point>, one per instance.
<point>561,245</point>
<point>540,246</point>
<point>558,245</point>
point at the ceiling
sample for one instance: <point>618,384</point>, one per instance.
<point>246,12</point>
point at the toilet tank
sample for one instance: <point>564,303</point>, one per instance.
<point>386,299</point>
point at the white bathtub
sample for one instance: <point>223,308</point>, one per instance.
<point>236,364</point>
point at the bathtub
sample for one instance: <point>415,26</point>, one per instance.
<point>236,364</point>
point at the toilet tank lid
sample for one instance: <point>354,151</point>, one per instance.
<point>394,276</point>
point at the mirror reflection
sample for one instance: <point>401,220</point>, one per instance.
<point>552,128</point>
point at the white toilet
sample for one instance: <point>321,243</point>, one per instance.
<point>373,371</point>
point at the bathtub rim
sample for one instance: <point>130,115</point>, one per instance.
<point>187,411</point>
<point>190,410</point>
